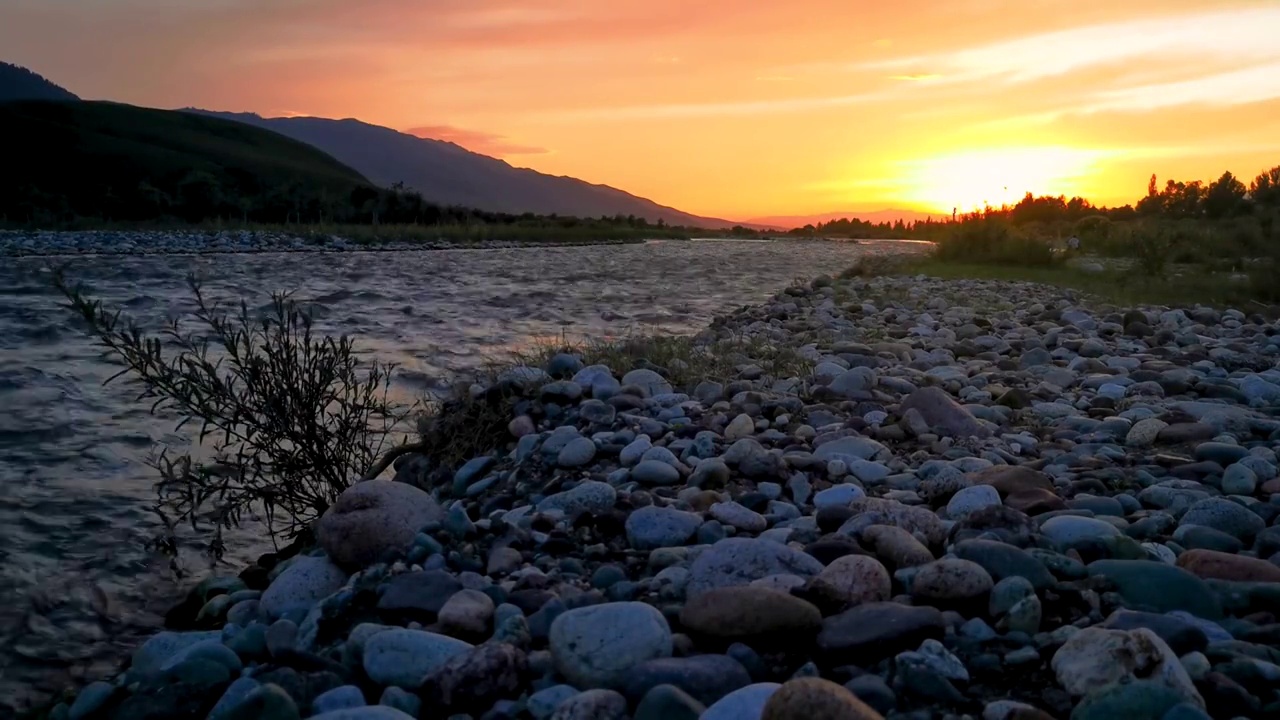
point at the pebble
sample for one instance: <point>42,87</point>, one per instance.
<point>596,646</point>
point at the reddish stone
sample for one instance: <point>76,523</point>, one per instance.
<point>1211,564</point>
<point>1271,487</point>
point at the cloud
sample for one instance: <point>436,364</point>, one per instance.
<point>476,140</point>
<point>1239,87</point>
<point>720,109</point>
<point>1248,34</point>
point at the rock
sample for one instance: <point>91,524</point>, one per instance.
<point>816,699</point>
<point>372,518</point>
<point>668,702</point>
<point>735,515</point>
<point>576,453</point>
<point>654,527</point>
<point>744,704</point>
<point>92,697</point>
<point>943,414</point>
<point>402,700</point>
<point>838,496</point>
<point>738,561</point>
<point>467,613</point>
<point>544,702</point>
<point>265,702</point>
<point>971,499</point>
<point>596,704</point>
<point>1239,480</point>
<point>1209,564</point>
<point>471,681</point>
<point>1155,586</point>
<point>1181,636</point>
<point>339,698</point>
<point>854,579</point>
<point>896,547</point>
<point>1096,657</point>
<point>1003,561</point>
<point>933,657</point>
<point>1144,433</point>
<point>655,472</point>
<point>740,427</point>
<point>596,646</point>
<point>160,647</point>
<point>1141,699</point>
<point>649,381</point>
<point>1073,531</point>
<point>418,595</point>
<point>592,496</point>
<point>918,521</point>
<point>706,678</point>
<point>370,712</point>
<point>404,657</point>
<point>1023,489</point>
<point>224,709</point>
<point>951,580</point>
<point>306,581</point>
<point>848,449</point>
<point>1226,516</point>
<point>871,632</point>
<point>750,613</point>
<point>710,473</point>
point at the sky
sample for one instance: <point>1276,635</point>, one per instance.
<point>738,109</point>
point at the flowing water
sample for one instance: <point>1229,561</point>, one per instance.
<point>78,587</point>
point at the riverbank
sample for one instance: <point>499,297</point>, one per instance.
<point>939,496</point>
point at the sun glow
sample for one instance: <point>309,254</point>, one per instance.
<point>971,179</point>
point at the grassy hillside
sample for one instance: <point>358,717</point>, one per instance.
<point>119,162</point>
<point>19,83</point>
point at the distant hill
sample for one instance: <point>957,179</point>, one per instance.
<point>19,83</point>
<point>119,162</point>
<point>872,216</point>
<point>448,174</point>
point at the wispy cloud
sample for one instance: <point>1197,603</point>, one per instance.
<point>1248,85</point>
<point>476,141</point>
<point>1248,34</point>
<point>717,109</point>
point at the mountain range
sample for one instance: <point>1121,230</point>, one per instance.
<point>448,174</point>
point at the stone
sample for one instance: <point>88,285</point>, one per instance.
<point>706,678</point>
<point>596,646</point>
<point>816,699</point>
<point>740,427</point>
<point>871,632</point>
<point>471,681</point>
<point>1226,516</point>
<point>404,657</point>
<point>916,520</point>
<point>738,561</point>
<point>1181,636</point>
<point>933,657</point>
<point>92,697</point>
<point>265,702</point>
<point>750,613</point>
<point>593,497</point>
<point>971,499</point>
<point>466,613</point>
<point>951,580</point>
<point>418,595</point>
<point>838,495</point>
<point>744,704</point>
<point>668,702</point>
<point>1002,561</point>
<point>1023,489</point>
<point>1238,479</point>
<point>735,515</point>
<point>854,579</point>
<point>655,472</point>
<point>370,519</point>
<point>305,582</point>
<point>369,712</point>
<point>576,453</point>
<point>1144,433</point>
<point>160,647</point>
<point>1141,699</point>
<point>1096,657</point>
<point>849,449</point>
<point>649,381</point>
<point>1155,586</point>
<point>943,414</point>
<point>597,704</point>
<point>1209,564</point>
<point>339,698</point>
<point>544,702</point>
<point>402,700</point>
<point>1072,531</point>
<point>231,698</point>
<point>653,527</point>
<point>896,547</point>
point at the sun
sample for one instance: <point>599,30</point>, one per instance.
<point>971,179</point>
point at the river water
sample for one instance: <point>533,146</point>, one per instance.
<point>78,588</point>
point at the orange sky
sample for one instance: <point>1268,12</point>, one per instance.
<point>734,109</point>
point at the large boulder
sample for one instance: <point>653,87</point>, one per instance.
<point>372,518</point>
<point>596,646</point>
<point>1096,657</point>
<point>305,582</point>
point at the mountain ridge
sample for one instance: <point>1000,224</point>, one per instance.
<point>449,174</point>
<point>20,83</point>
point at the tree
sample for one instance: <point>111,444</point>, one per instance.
<point>1224,197</point>
<point>1265,189</point>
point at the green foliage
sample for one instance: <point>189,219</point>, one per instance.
<point>288,418</point>
<point>993,239</point>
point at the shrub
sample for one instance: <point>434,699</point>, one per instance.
<point>993,240</point>
<point>288,418</point>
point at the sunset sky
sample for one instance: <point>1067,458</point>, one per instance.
<point>733,109</point>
